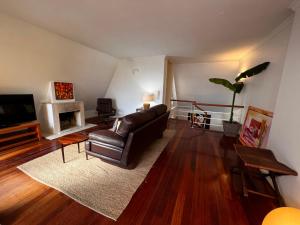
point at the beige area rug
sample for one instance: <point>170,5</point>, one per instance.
<point>102,187</point>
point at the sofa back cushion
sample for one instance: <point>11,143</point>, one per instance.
<point>158,109</point>
<point>133,121</point>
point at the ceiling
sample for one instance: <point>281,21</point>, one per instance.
<point>199,30</point>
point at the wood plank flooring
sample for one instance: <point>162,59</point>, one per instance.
<point>189,184</point>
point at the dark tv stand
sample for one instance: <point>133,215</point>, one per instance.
<point>18,135</point>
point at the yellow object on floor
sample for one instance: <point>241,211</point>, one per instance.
<point>283,216</point>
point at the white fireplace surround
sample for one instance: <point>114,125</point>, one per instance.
<point>53,110</point>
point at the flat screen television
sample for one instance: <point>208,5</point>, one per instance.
<point>16,109</point>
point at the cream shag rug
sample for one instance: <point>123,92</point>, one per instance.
<point>102,187</point>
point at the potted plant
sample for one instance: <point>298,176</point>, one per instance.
<point>231,128</point>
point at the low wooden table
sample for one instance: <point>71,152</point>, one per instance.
<point>11,137</point>
<point>262,159</point>
<point>70,139</point>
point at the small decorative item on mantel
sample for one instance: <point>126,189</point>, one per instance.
<point>147,98</point>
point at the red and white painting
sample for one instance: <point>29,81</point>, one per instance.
<point>63,91</point>
<point>256,127</point>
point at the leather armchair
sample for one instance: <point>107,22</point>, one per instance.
<point>105,108</point>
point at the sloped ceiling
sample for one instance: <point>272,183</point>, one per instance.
<point>202,30</point>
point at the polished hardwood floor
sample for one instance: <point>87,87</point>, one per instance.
<point>189,184</point>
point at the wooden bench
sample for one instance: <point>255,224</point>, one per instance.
<point>261,159</point>
<point>18,135</point>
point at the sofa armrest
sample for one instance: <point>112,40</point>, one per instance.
<point>107,137</point>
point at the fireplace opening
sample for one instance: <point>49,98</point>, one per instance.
<point>67,120</point>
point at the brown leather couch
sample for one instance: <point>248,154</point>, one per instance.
<point>134,134</point>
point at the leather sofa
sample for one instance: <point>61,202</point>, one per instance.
<point>135,132</point>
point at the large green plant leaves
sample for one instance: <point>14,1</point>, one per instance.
<point>236,87</point>
<point>223,82</point>
<point>253,71</point>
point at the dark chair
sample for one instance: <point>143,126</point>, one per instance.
<point>105,109</point>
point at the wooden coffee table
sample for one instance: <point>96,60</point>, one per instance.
<point>70,139</point>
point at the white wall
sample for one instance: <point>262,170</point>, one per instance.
<point>31,57</point>
<point>169,81</point>
<point>133,78</point>
<point>192,83</point>
<point>285,135</point>
<point>261,90</point>
<point>191,80</point>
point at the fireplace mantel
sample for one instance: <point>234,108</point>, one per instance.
<point>52,111</point>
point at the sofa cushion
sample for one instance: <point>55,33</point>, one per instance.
<point>133,121</point>
<point>159,109</point>
<point>116,125</point>
<point>107,137</point>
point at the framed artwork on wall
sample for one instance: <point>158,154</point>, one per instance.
<point>256,127</point>
<point>62,91</point>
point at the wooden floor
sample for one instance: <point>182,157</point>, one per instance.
<point>189,184</point>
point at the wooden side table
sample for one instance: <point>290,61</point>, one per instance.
<point>70,139</point>
<point>262,159</point>
<point>139,109</point>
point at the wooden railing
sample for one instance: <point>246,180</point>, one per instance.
<point>195,103</point>
<point>193,110</point>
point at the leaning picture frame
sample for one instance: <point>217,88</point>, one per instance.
<point>256,127</point>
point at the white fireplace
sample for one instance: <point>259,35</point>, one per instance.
<point>64,117</point>
<point>68,120</point>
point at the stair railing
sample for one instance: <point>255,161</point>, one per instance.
<point>199,116</point>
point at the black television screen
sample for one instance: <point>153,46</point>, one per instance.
<point>16,109</point>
